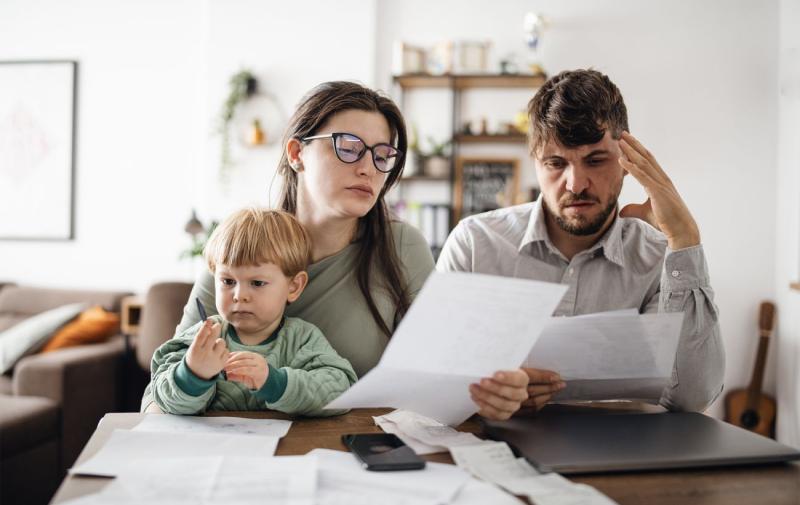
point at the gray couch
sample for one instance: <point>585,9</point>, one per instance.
<point>51,403</point>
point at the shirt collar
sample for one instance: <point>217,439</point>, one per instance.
<point>536,231</point>
<point>232,333</point>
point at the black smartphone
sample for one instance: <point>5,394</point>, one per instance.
<point>381,452</point>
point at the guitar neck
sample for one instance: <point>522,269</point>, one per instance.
<point>754,389</point>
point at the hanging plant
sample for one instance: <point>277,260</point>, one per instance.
<point>243,85</point>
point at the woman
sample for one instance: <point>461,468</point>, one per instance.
<point>344,149</point>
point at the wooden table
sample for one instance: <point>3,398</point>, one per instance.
<point>762,485</point>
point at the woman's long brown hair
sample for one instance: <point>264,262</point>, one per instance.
<point>376,245</point>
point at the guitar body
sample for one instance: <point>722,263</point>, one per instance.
<point>750,408</point>
<point>760,419</point>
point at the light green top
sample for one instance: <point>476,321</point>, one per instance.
<point>333,302</point>
<point>305,374</point>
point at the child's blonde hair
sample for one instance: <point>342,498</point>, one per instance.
<point>252,236</point>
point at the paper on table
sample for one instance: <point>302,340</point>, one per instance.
<point>342,481</point>
<point>576,494</point>
<point>223,425</point>
<point>477,492</point>
<point>628,346</point>
<point>427,430</point>
<point>417,446</point>
<point>289,480</point>
<point>495,463</point>
<point>124,446</point>
<point>491,323</point>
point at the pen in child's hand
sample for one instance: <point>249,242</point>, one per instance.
<point>201,309</point>
<point>204,316</point>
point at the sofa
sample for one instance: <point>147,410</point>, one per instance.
<point>50,403</point>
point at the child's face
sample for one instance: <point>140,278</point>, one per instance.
<point>253,298</point>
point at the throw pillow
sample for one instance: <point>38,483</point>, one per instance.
<point>93,326</point>
<point>30,334</point>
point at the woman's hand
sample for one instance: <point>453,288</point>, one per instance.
<point>249,368</point>
<point>500,396</point>
<point>207,355</point>
<point>542,385</point>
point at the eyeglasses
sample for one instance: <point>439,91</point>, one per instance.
<point>349,149</point>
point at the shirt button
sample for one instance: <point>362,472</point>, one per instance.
<point>676,273</point>
<point>571,271</point>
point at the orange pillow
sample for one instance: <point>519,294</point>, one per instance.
<point>92,326</point>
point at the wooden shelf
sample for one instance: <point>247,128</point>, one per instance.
<point>795,286</point>
<point>425,178</point>
<point>470,81</point>
<point>513,138</point>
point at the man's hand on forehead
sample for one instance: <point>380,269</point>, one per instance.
<point>664,208</point>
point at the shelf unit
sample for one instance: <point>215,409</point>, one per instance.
<point>456,84</point>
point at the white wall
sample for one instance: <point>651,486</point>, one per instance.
<point>152,79</point>
<point>699,80</point>
<point>787,253</point>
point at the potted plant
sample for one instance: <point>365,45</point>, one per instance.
<point>243,85</point>
<point>437,161</point>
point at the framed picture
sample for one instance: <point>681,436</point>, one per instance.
<point>37,149</point>
<point>407,59</point>
<point>483,184</point>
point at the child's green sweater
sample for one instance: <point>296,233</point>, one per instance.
<point>305,373</point>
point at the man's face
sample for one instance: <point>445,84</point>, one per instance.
<point>580,185</point>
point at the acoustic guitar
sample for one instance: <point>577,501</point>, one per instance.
<point>750,408</point>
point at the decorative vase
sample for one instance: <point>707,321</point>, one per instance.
<point>437,166</point>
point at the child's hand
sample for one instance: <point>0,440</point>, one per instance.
<point>207,354</point>
<point>248,368</point>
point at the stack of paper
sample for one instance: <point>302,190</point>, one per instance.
<point>461,327</point>
<point>167,436</point>
<point>290,480</point>
<point>495,463</point>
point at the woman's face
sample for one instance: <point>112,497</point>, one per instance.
<point>332,188</point>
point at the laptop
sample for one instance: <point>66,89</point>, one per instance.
<point>574,443</point>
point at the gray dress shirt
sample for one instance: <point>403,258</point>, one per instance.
<point>629,267</point>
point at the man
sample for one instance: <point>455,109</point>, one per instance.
<point>647,256</point>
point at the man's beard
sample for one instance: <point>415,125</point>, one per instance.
<point>583,227</point>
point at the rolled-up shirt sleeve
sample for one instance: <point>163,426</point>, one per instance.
<point>699,369</point>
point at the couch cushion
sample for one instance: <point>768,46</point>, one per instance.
<point>30,335</point>
<point>6,384</point>
<point>26,421</point>
<point>23,301</point>
<point>93,326</point>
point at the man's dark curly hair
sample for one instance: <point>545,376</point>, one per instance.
<point>576,107</point>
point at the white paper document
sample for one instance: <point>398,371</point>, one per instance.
<point>222,425</point>
<point>494,462</point>
<point>423,434</point>
<point>621,354</point>
<point>125,446</point>
<point>289,480</point>
<point>461,327</point>
<point>478,492</point>
<point>342,481</point>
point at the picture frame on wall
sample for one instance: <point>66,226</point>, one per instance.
<point>37,149</point>
<point>484,184</point>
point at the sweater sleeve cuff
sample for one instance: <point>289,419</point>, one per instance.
<point>190,383</point>
<point>273,389</point>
